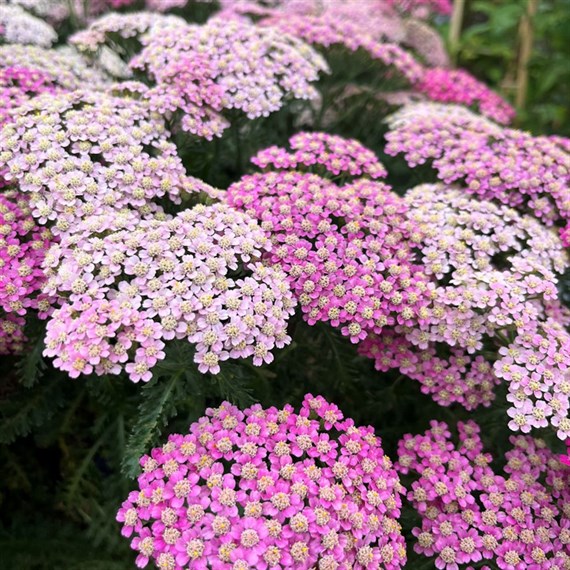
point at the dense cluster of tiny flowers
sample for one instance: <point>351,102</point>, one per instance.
<point>496,273</point>
<point>89,153</point>
<point>347,250</point>
<point>23,246</point>
<point>458,86</point>
<point>426,42</point>
<point>471,514</point>
<point>202,70</point>
<point>336,155</point>
<point>19,27</point>
<point>112,28</point>
<point>196,276</point>
<point>373,27</point>
<point>17,85</point>
<point>371,18</point>
<point>565,235</point>
<point>268,488</point>
<point>64,66</point>
<point>529,173</point>
<point>52,11</point>
<point>326,31</point>
<point>447,374</point>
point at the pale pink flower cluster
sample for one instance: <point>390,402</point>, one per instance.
<point>204,70</point>
<point>52,11</point>
<point>20,27</point>
<point>129,27</point>
<point>196,276</point>
<point>529,173</point>
<point>17,85</point>
<point>64,66</point>
<point>496,274</point>
<point>88,153</point>
<point>23,246</point>
<point>268,488</point>
<point>347,250</point>
<point>472,515</point>
<point>426,42</point>
<point>326,31</point>
<point>371,18</point>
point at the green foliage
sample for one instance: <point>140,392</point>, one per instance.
<point>489,47</point>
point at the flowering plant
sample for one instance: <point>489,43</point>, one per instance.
<point>211,210</point>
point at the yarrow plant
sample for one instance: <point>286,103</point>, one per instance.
<point>17,85</point>
<point>196,276</point>
<point>82,154</point>
<point>268,488</point>
<point>473,515</point>
<point>23,246</point>
<point>496,299</point>
<point>347,250</point>
<point>204,70</point>
<point>64,67</point>
<point>19,27</point>
<point>121,33</point>
<point>529,173</point>
<point>458,86</point>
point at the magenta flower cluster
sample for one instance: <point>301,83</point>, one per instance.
<point>23,246</point>
<point>268,488</point>
<point>196,276</point>
<point>347,250</point>
<point>17,85</point>
<point>203,70</point>
<point>472,515</point>
<point>458,86</point>
<point>529,173</point>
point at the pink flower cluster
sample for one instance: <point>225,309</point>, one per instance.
<point>324,153</point>
<point>374,27</point>
<point>328,30</point>
<point>268,488</point>
<point>203,70</point>
<point>105,30</point>
<point>196,276</point>
<point>347,250</point>
<point>496,298</point>
<point>426,42</point>
<point>459,86</point>
<point>449,374</point>
<point>23,246</point>
<point>17,85</point>
<point>472,515</point>
<point>64,67</point>
<point>90,153</point>
<point>529,173</point>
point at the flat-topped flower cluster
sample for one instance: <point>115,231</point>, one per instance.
<point>196,276</point>
<point>471,514</point>
<point>268,488</point>
<point>346,249</point>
